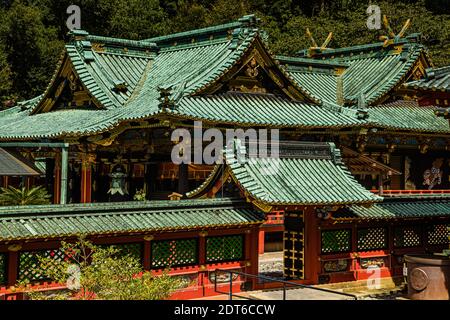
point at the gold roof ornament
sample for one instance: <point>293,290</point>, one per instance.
<point>391,38</point>
<point>175,196</point>
<point>315,48</point>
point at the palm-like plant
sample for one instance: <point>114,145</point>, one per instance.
<point>21,197</point>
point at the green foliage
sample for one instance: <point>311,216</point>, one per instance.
<point>5,76</point>
<point>21,197</point>
<point>32,48</point>
<point>32,32</point>
<point>102,273</point>
<point>134,19</point>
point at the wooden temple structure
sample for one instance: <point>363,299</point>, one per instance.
<point>363,174</point>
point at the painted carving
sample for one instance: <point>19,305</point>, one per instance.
<point>335,265</point>
<point>222,277</point>
<point>433,176</point>
<point>372,262</point>
<point>252,69</point>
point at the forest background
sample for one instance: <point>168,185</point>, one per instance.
<point>33,32</point>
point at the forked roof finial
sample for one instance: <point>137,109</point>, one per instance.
<point>392,37</point>
<point>314,46</point>
<point>314,43</point>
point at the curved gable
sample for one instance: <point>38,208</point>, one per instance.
<point>374,71</point>
<point>96,73</point>
<point>255,71</point>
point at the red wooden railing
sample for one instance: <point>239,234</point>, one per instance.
<point>13,293</point>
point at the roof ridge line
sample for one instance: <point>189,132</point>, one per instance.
<point>361,47</point>
<point>310,61</point>
<point>187,46</point>
<point>13,211</point>
<point>82,35</point>
<point>245,21</point>
<point>136,44</point>
<point>358,113</point>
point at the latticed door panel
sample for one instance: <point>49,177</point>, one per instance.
<point>372,239</point>
<point>3,268</point>
<point>29,266</point>
<point>335,241</point>
<point>174,253</point>
<point>407,236</point>
<point>227,248</point>
<point>438,234</point>
<point>293,239</point>
<point>135,250</point>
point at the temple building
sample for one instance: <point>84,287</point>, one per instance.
<point>362,176</point>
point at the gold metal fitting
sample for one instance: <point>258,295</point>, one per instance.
<point>15,247</point>
<point>149,238</point>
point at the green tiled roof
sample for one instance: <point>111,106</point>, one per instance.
<point>185,68</point>
<point>319,77</point>
<point>407,115</point>
<point>269,110</point>
<point>400,209</point>
<point>244,109</point>
<point>373,69</point>
<point>105,67</point>
<point>117,218</point>
<point>14,164</point>
<point>436,79</point>
<point>322,85</point>
<point>304,174</point>
<point>185,63</point>
<point>56,124</point>
<point>101,62</point>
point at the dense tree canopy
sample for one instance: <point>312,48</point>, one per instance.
<point>33,32</point>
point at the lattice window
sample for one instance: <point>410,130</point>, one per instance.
<point>3,268</point>
<point>228,248</point>
<point>407,236</point>
<point>334,241</point>
<point>438,234</point>
<point>372,238</point>
<point>133,249</point>
<point>29,263</point>
<point>174,253</point>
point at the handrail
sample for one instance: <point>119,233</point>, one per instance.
<point>284,282</point>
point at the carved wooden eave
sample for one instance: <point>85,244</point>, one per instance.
<point>107,138</point>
